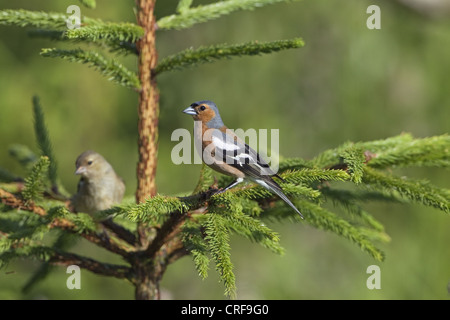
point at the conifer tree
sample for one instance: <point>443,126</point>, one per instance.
<point>166,227</point>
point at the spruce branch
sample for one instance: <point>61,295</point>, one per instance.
<point>322,218</point>
<point>23,155</point>
<point>115,46</point>
<point>47,34</point>
<point>39,252</point>
<point>62,242</point>
<point>187,17</point>
<point>225,215</point>
<point>57,257</point>
<point>374,235</point>
<point>401,150</point>
<point>426,152</point>
<point>191,57</point>
<point>59,217</point>
<point>308,175</point>
<point>349,201</point>
<point>39,19</point>
<point>16,202</point>
<point>254,230</point>
<point>255,192</point>
<point>194,242</point>
<point>294,164</point>
<point>111,69</point>
<point>155,209</point>
<point>6,176</point>
<point>34,229</point>
<point>107,31</point>
<point>386,144</point>
<point>91,4</point>
<point>183,6</point>
<point>78,223</point>
<point>354,158</point>
<point>218,240</point>
<point>85,226</point>
<point>231,208</point>
<point>44,143</point>
<point>120,231</point>
<point>166,232</point>
<point>332,158</point>
<point>416,190</point>
<point>35,183</point>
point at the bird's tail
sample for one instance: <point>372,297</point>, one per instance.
<point>274,187</point>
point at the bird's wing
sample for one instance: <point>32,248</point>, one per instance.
<point>240,155</point>
<point>81,185</point>
<point>119,190</point>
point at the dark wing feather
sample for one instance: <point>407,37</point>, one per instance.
<point>239,155</point>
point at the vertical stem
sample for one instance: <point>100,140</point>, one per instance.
<point>148,110</point>
<point>147,275</point>
<point>147,285</point>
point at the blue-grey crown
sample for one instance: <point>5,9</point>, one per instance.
<point>216,122</point>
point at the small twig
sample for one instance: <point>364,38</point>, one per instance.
<point>120,231</point>
<point>171,226</point>
<point>106,269</point>
<point>165,232</point>
<point>176,251</point>
<point>98,239</point>
<point>13,201</point>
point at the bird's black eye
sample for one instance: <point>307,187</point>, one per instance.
<point>89,162</point>
<point>202,108</point>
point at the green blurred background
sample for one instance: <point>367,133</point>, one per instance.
<point>347,83</point>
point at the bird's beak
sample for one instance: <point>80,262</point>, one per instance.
<point>80,170</point>
<point>190,111</point>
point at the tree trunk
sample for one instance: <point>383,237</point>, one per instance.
<point>147,283</point>
<point>148,110</point>
<point>148,273</point>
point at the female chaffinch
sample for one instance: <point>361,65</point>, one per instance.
<point>99,187</point>
<point>224,152</point>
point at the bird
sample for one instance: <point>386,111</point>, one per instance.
<point>226,153</point>
<point>99,187</point>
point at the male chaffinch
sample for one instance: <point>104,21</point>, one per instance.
<point>224,152</point>
<point>99,187</point>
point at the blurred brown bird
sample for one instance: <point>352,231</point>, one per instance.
<point>99,187</point>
